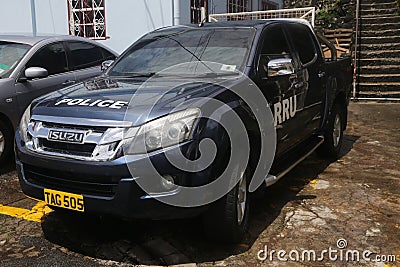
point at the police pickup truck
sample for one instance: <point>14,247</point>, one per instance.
<point>187,122</point>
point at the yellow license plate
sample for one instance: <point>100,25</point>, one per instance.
<point>64,200</point>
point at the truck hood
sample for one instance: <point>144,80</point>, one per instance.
<point>110,99</point>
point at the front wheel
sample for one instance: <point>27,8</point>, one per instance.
<point>226,220</point>
<point>333,134</point>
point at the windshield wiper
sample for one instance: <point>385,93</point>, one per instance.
<point>137,75</point>
<point>217,74</point>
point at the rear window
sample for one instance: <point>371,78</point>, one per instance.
<point>10,55</point>
<point>85,55</point>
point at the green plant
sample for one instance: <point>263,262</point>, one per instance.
<point>334,15</point>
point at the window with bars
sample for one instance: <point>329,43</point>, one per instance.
<point>87,18</point>
<point>195,10</point>
<point>235,6</point>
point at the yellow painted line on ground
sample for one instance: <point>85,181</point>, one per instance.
<point>314,184</point>
<point>34,215</point>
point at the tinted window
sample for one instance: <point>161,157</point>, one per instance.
<point>274,46</point>
<point>84,55</point>
<point>303,42</point>
<point>107,55</point>
<point>52,57</point>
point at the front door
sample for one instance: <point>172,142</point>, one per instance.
<point>53,58</point>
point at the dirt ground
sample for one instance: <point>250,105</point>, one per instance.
<point>352,204</point>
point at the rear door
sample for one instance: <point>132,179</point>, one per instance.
<point>53,58</point>
<point>86,58</point>
<point>309,84</point>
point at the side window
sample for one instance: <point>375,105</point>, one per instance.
<point>107,55</point>
<point>52,57</point>
<point>303,42</point>
<point>274,46</point>
<point>84,55</point>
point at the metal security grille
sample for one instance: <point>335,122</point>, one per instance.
<point>307,13</point>
<point>87,18</point>
<point>237,6</point>
<point>196,9</point>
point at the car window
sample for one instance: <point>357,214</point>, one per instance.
<point>52,57</point>
<point>274,46</point>
<point>84,55</point>
<point>10,55</point>
<point>303,42</point>
<point>162,50</point>
<point>107,55</point>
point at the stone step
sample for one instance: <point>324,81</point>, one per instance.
<point>394,39</point>
<point>380,54</point>
<point>369,33</point>
<point>379,20</point>
<point>378,5</point>
<point>379,89</point>
<point>380,78</point>
<point>378,46</point>
<point>379,26</point>
<point>387,69</point>
<point>378,12</point>
<point>379,61</point>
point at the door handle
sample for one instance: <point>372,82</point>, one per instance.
<point>68,82</point>
<point>321,74</point>
<point>298,85</point>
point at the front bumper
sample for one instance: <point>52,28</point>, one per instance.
<point>108,188</point>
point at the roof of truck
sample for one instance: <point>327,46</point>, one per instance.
<point>237,24</point>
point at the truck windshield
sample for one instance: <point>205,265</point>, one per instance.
<point>161,50</point>
<point>10,55</point>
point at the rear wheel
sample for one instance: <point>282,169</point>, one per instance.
<point>226,220</point>
<point>6,142</point>
<point>333,134</point>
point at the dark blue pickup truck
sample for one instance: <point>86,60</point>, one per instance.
<point>187,122</point>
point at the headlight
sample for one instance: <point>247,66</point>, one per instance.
<point>160,133</point>
<point>23,125</point>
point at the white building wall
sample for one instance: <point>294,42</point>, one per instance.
<point>126,20</point>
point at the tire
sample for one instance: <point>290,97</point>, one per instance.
<point>227,219</point>
<point>6,142</point>
<point>333,134</point>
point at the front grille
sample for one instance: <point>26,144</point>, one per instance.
<point>38,141</point>
<point>84,150</point>
<point>103,186</point>
<point>97,129</point>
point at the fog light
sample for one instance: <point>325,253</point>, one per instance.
<point>168,182</point>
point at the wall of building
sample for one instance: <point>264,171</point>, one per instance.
<point>126,20</point>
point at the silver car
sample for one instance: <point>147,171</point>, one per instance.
<point>33,66</point>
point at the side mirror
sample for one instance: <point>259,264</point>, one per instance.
<point>106,64</point>
<point>36,72</point>
<point>280,67</point>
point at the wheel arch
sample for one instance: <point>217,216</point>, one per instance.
<point>4,118</point>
